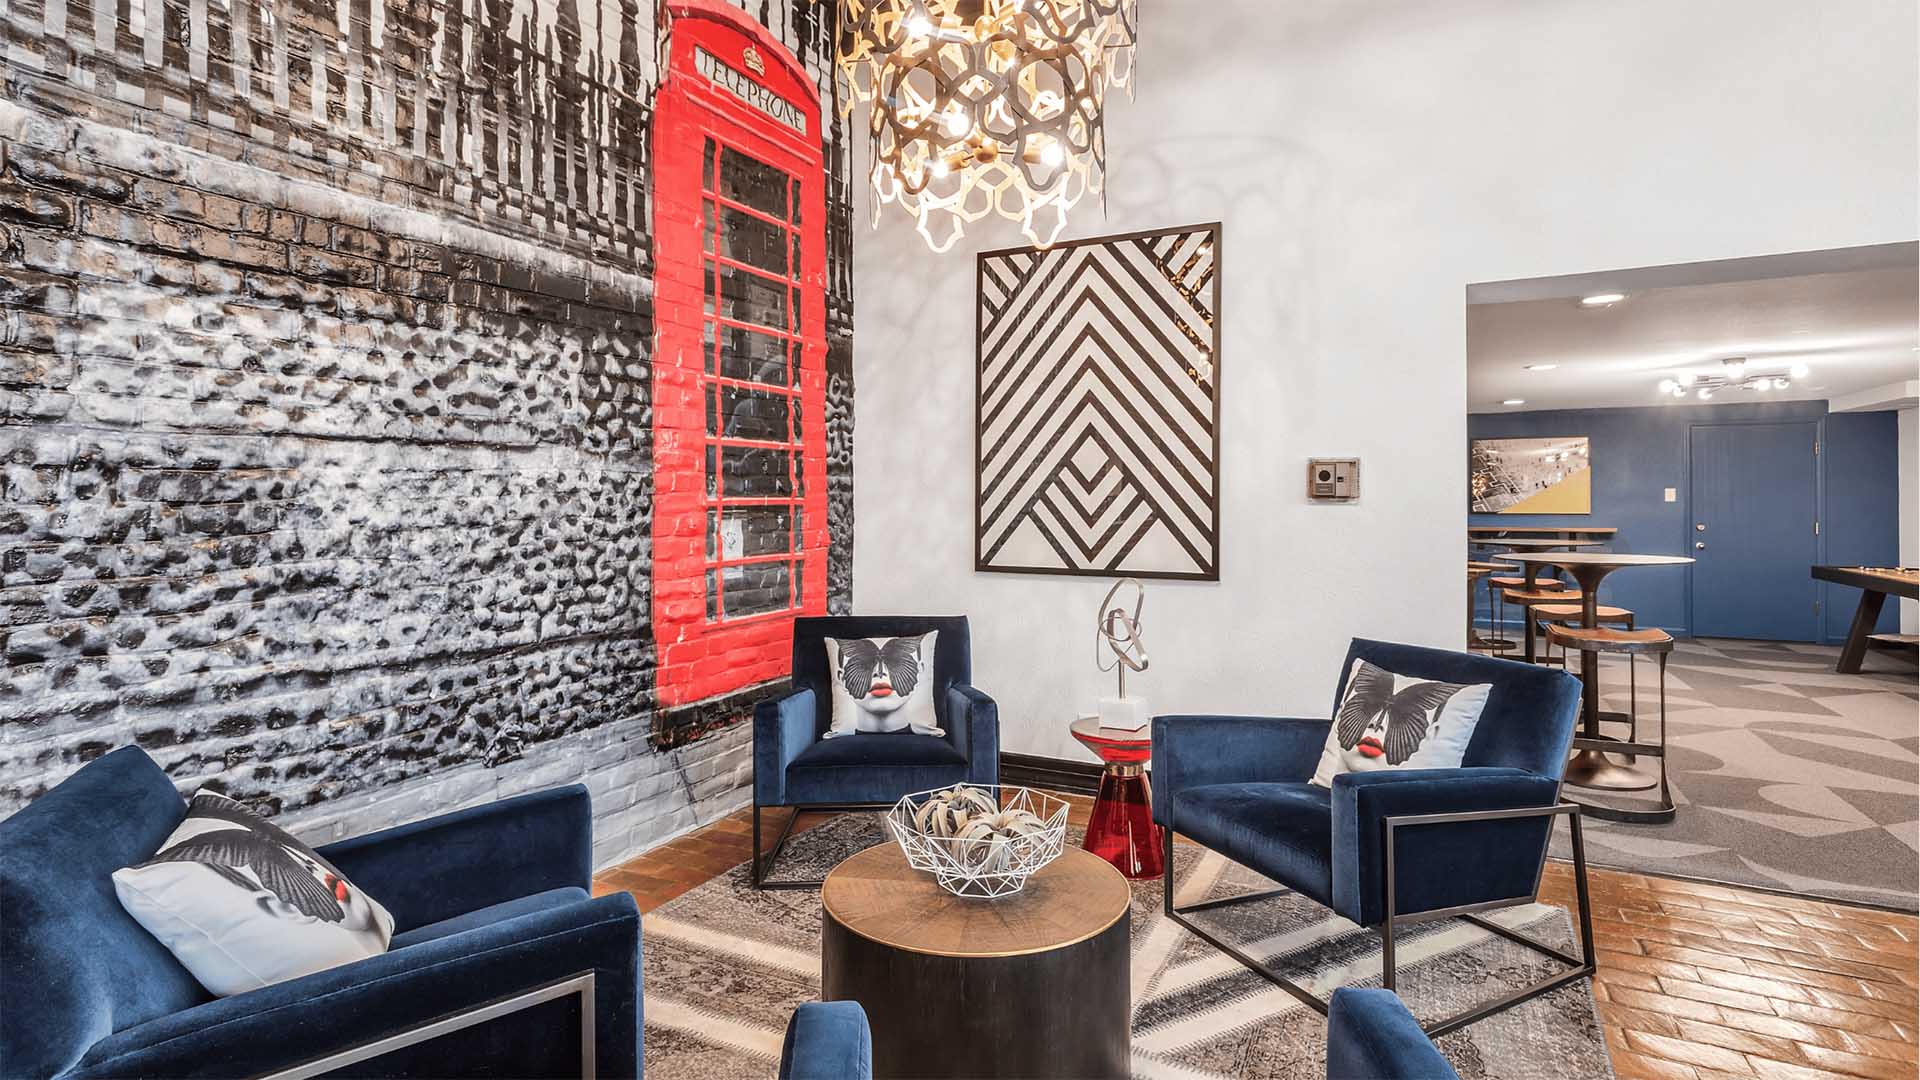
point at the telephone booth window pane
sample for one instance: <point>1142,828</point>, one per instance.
<point>752,414</point>
<point>796,311</point>
<point>756,472</point>
<point>755,531</point>
<point>753,183</point>
<point>756,588</point>
<point>713,596</point>
<point>796,206</point>
<point>749,297</point>
<point>742,237</point>
<point>752,356</point>
<point>711,471</point>
<point>707,150</point>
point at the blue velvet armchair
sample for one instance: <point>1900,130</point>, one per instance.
<point>1391,848</point>
<point>794,766</point>
<point>501,964</point>
<point>1372,1036</point>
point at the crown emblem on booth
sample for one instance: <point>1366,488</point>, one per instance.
<point>751,57</point>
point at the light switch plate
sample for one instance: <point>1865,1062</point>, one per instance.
<point>1673,494</point>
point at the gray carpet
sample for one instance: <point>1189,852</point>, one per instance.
<point>1786,774</point>
<point>726,964</point>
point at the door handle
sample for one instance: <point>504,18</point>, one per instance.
<point>1700,545</point>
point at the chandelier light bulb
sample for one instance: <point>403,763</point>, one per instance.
<point>1779,383</point>
<point>1705,393</point>
<point>1735,368</point>
<point>1763,385</point>
<point>1686,378</point>
<point>1668,386</point>
<point>1679,391</point>
<point>1799,370</point>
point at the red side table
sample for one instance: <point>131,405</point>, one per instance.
<point>1121,830</point>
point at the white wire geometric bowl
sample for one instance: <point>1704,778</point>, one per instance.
<point>983,868</point>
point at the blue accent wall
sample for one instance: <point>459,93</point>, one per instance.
<point>1639,452</point>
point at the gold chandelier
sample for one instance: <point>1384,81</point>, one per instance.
<point>981,107</point>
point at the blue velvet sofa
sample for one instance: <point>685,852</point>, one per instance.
<point>492,919</point>
<point>1391,848</point>
<point>794,766</point>
<point>1372,1036</point>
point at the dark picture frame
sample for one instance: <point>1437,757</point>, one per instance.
<point>1147,305</point>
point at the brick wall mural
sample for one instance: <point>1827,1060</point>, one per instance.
<point>406,404</point>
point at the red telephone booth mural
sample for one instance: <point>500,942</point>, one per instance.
<point>739,384</point>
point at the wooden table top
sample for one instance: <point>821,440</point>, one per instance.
<point>1898,580</point>
<point>1597,558</point>
<point>1523,543</point>
<point>1539,530</point>
<point>877,895</point>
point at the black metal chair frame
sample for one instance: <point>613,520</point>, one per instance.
<point>1581,966</point>
<point>763,866</point>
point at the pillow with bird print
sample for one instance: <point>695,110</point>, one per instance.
<point>1389,721</point>
<point>242,904</point>
<point>883,685</point>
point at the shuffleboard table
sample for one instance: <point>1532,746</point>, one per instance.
<point>1875,583</point>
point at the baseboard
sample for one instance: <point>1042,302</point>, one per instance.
<point>1054,774</point>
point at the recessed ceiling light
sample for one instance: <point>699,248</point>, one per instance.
<point>1514,401</point>
<point>1541,367</point>
<point>1602,299</point>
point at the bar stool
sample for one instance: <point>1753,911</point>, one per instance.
<point>1477,572</point>
<point>1606,639</point>
<point>1499,586</point>
<point>1527,600</point>
<point>1569,615</point>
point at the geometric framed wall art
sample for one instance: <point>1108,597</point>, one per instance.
<point>1097,406</point>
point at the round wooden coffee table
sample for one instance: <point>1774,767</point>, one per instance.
<point>1032,984</point>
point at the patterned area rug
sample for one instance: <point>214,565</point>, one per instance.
<point>1786,774</point>
<point>725,965</point>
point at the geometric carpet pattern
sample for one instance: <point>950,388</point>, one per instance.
<point>1786,775</point>
<point>725,964</point>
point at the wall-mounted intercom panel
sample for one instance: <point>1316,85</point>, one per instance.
<point>1333,479</point>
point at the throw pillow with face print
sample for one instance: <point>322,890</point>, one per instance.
<point>883,685</point>
<point>243,905</point>
<point>1389,721</point>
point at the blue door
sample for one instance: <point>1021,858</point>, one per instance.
<point>1754,491</point>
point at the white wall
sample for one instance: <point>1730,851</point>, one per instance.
<point>1369,160</point>
<point>1909,508</point>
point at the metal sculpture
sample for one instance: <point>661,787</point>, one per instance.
<point>1120,632</point>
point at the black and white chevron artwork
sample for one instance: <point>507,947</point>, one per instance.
<point>1099,407</point>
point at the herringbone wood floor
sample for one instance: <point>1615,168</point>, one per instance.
<point>1696,982</point>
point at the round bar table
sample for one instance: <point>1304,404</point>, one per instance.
<point>1031,984</point>
<point>1590,768</point>
<point>1121,829</point>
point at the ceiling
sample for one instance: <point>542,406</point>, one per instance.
<point>1851,316</point>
